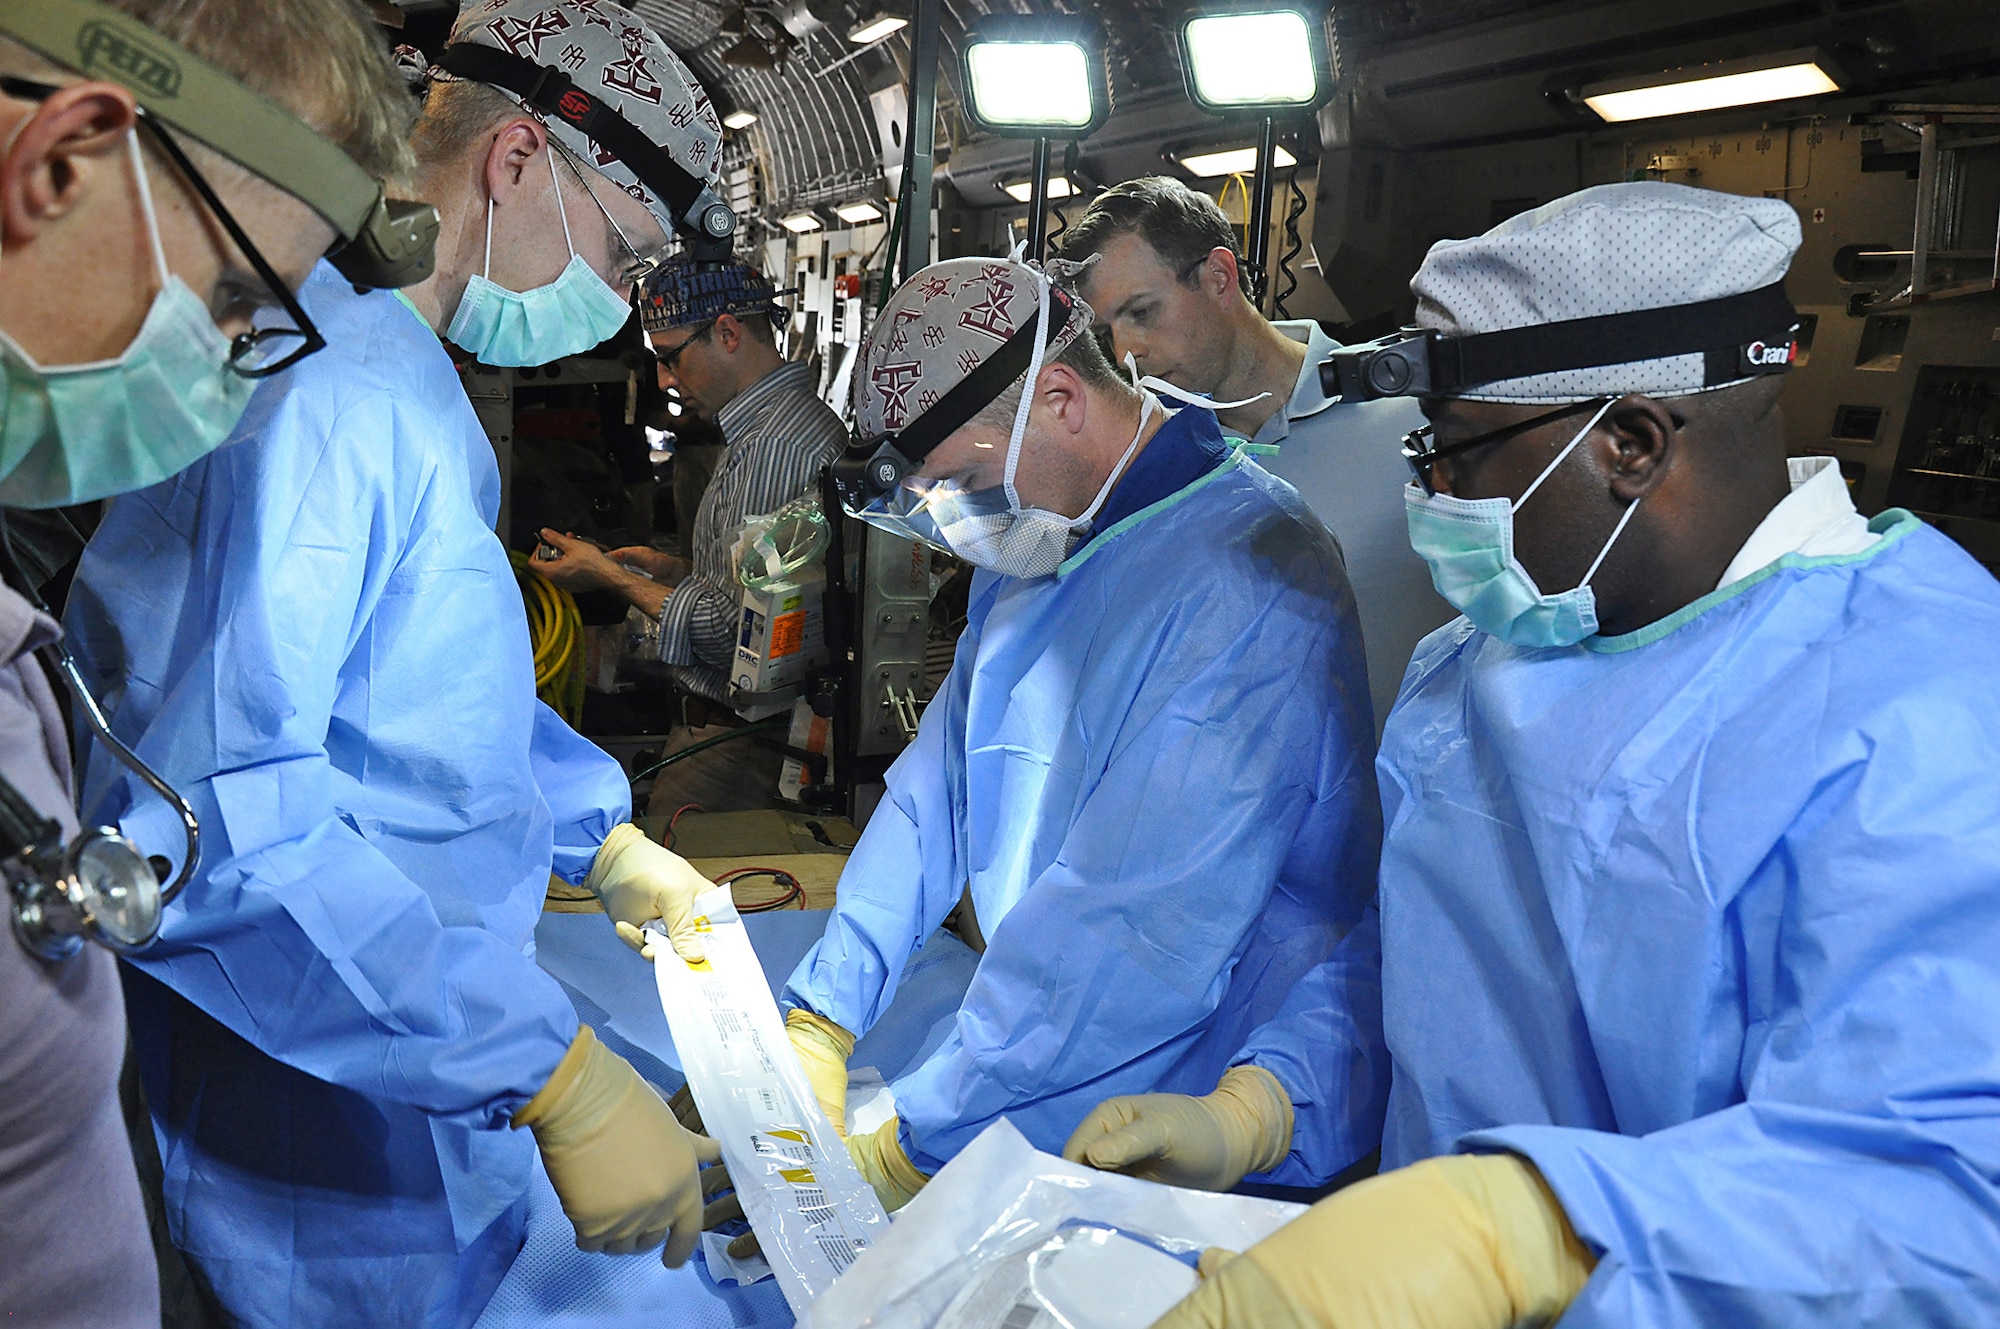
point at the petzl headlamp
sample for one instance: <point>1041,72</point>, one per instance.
<point>1738,336</point>
<point>704,221</point>
<point>872,467</point>
<point>383,242</point>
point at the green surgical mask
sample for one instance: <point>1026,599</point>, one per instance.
<point>571,314</point>
<point>1469,544</point>
<point>76,433</point>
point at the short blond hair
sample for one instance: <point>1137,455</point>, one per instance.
<point>457,115</point>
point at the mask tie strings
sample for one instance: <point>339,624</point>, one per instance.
<point>146,206</point>
<point>1550,469</point>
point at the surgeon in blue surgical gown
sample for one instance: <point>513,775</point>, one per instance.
<point>1689,941</point>
<point>317,637</point>
<point>1149,764</point>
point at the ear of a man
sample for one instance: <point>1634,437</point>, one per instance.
<point>68,146</point>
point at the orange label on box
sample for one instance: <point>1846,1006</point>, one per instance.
<point>788,634</point>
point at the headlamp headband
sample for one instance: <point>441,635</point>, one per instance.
<point>873,467</point>
<point>382,242</point>
<point>1738,336</point>
<point>702,217</point>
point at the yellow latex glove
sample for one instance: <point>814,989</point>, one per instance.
<point>823,1049</point>
<point>639,881</point>
<point>882,1163</point>
<point>1207,1143</point>
<point>1476,1241</point>
<point>625,1170</point>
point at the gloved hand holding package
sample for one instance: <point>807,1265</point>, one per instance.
<point>625,1170</point>
<point>1475,1241</point>
<point>639,881</point>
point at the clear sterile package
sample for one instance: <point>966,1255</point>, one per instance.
<point>811,1211</point>
<point>1007,1237</point>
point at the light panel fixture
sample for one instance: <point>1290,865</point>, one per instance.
<point>858,213</point>
<point>1781,77</point>
<point>1021,191</point>
<point>1035,76</point>
<point>876,27</point>
<point>800,222</point>
<point>1232,161</point>
<point>739,120</point>
<point>1251,60</point>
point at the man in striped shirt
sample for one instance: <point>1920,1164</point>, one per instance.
<point>712,331</point>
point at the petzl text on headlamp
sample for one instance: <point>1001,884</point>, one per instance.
<point>1738,337</point>
<point>383,242</point>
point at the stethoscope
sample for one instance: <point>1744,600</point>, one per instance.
<point>98,885</point>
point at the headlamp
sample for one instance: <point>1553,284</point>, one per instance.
<point>1738,336</point>
<point>381,242</point>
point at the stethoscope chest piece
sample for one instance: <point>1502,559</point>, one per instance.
<point>97,886</point>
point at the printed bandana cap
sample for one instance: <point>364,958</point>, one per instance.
<point>610,53</point>
<point>678,294</point>
<point>943,323</point>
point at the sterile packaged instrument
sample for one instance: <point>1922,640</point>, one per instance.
<point>1007,1237</point>
<point>811,1211</point>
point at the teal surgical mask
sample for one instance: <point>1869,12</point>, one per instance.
<point>77,433</point>
<point>571,314</point>
<point>1469,544</point>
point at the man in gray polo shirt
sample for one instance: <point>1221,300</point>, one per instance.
<point>1169,286</point>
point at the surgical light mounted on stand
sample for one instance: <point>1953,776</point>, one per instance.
<point>1262,61</point>
<point>1040,77</point>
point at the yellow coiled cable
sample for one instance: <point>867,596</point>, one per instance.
<point>555,630</point>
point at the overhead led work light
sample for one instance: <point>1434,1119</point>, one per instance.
<point>875,28</point>
<point>858,213</point>
<point>1771,78</point>
<point>1271,59</point>
<point>1030,76</point>
<point>1021,191</point>
<point>799,223</point>
<point>739,120</point>
<point>1231,161</point>
<point>1038,76</point>
<point>1265,60</point>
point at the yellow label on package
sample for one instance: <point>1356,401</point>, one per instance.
<point>812,1212</point>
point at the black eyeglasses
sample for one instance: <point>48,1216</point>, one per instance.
<point>671,358</point>
<point>260,352</point>
<point>1420,448</point>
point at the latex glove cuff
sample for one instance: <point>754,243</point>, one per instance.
<point>882,1163</point>
<point>1259,1115</point>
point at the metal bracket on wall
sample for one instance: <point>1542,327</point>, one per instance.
<point>1942,265</point>
<point>909,711</point>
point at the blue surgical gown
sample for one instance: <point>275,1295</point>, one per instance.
<point>1153,771</point>
<point>315,635</point>
<point>1705,921</point>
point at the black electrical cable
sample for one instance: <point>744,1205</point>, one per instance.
<point>1062,224</point>
<point>1294,209</point>
<point>707,743</point>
